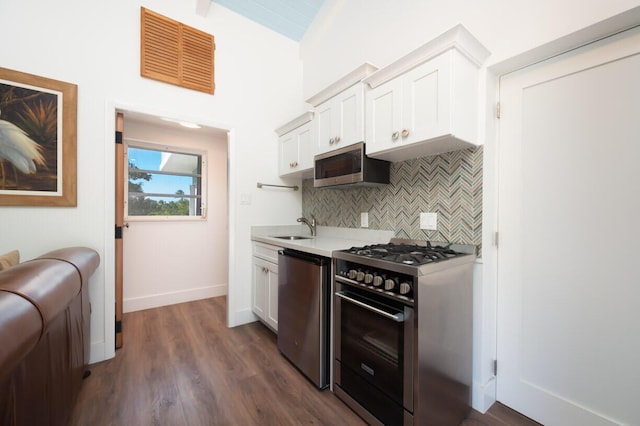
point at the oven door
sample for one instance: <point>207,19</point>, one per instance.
<point>374,352</point>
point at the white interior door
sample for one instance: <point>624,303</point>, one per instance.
<point>569,197</point>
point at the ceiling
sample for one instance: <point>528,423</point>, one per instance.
<point>290,18</point>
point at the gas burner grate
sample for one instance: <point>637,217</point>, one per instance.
<point>407,254</point>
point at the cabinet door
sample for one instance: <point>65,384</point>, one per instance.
<point>272,296</point>
<point>349,108</point>
<point>296,150</point>
<point>288,153</point>
<point>426,100</point>
<point>259,290</point>
<point>324,127</point>
<point>304,136</point>
<point>384,108</point>
<point>340,120</point>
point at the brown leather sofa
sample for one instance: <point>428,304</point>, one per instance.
<point>44,336</point>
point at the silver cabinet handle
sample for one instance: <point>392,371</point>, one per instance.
<point>405,133</point>
<point>399,317</point>
<point>395,136</point>
<point>331,141</point>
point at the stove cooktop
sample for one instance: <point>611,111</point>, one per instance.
<point>408,255</point>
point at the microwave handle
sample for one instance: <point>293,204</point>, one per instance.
<point>399,317</point>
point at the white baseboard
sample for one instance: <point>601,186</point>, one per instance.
<point>97,352</point>
<point>483,395</point>
<point>171,298</point>
<point>241,317</point>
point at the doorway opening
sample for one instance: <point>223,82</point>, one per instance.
<point>163,257</point>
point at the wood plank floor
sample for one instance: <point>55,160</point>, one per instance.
<point>181,365</point>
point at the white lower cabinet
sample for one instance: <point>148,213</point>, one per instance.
<point>264,292</point>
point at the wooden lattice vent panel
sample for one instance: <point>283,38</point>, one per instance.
<point>176,53</point>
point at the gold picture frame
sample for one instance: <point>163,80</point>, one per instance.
<point>38,140</point>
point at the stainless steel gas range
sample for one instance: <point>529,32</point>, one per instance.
<point>403,331</point>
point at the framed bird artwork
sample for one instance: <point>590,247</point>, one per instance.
<point>38,140</point>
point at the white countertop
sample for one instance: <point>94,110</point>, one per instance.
<point>327,240</point>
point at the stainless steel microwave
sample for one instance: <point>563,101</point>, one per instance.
<point>349,166</point>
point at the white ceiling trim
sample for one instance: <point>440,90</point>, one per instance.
<point>202,7</point>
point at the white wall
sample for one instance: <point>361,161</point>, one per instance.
<point>96,46</point>
<point>346,34</point>
<point>167,262</point>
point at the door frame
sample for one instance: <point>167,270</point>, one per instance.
<point>485,293</point>
<point>112,106</point>
<point>119,224</point>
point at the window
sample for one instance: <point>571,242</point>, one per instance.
<point>164,183</point>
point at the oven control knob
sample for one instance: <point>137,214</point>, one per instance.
<point>378,280</point>
<point>352,274</point>
<point>368,278</point>
<point>360,276</point>
<point>405,288</point>
<point>390,284</point>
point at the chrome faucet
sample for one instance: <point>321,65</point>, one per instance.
<point>310,223</point>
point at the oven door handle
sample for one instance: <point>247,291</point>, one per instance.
<point>398,317</point>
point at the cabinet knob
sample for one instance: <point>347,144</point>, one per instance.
<point>331,141</point>
<point>265,270</point>
<point>295,164</point>
<point>337,139</point>
<point>405,133</point>
<point>395,136</point>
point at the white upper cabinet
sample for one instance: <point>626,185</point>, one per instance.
<point>384,115</point>
<point>340,120</point>
<point>339,111</point>
<point>296,145</point>
<point>426,102</point>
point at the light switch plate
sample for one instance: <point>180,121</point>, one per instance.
<point>364,220</point>
<point>429,221</point>
<point>245,199</point>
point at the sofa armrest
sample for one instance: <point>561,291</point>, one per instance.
<point>20,330</point>
<point>84,259</point>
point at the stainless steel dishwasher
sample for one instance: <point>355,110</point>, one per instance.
<point>303,320</point>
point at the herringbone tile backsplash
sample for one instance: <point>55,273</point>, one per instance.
<point>449,184</point>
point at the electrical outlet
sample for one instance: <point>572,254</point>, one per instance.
<point>364,220</point>
<point>429,221</point>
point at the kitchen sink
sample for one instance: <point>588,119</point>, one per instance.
<point>292,237</point>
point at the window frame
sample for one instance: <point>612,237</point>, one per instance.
<point>174,149</point>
